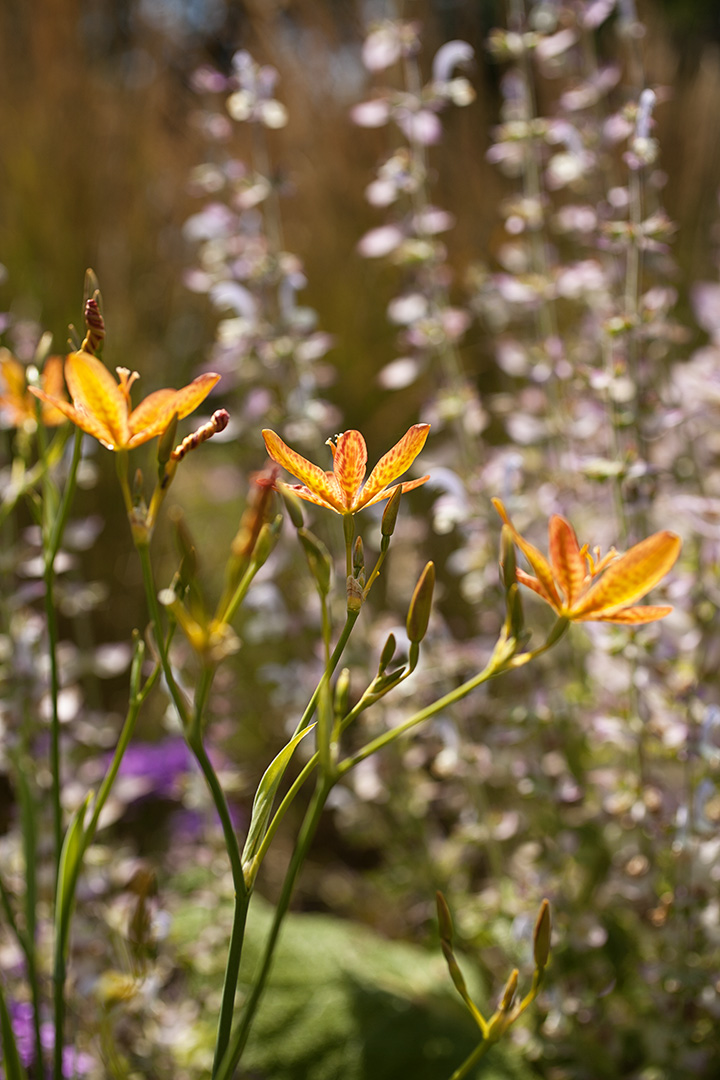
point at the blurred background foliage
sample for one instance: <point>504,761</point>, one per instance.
<point>99,136</point>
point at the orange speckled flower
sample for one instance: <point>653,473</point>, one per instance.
<point>342,490</point>
<point>18,403</point>
<point>101,406</point>
<point>583,587</point>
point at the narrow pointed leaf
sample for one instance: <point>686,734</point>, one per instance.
<point>265,796</point>
<point>10,1056</point>
<point>71,855</point>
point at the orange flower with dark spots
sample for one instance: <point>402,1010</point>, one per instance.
<point>343,490</point>
<point>583,587</point>
<point>18,403</point>
<point>101,406</point>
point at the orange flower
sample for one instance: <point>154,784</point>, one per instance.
<point>583,587</point>
<point>101,406</point>
<point>16,400</point>
<point>342,490</point>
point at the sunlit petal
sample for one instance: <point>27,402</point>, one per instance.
<point>386,493</point>
<point>629,577</point>
<point>395,462</point>
<point>349,464</point>
<point>534,584</point>
<point>303,492</point>
<point>633,615</point>
<point>536,559</point>
<point>98,399</point>
<point>320,483</point>
<point>155,412</point>
<point>53,384</point>
<point>568,566</point>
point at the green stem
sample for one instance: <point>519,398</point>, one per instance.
<point>179,700</point>
<point>479,1052</point>
<point>305,838</point>
<point>242,896</point>
<point>351,619</point>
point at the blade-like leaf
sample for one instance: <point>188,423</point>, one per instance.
<point>71,855</point>
<point>265,796</point>
<point>10,1056</point>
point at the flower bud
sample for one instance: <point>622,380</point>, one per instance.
<point>390,514</point>
<point>342,693</point>
<point>541,936</point>
<point>95,325</point>
<point>359,561</point>
<point>420,605</point>
<point>293,507</point>
<point>445,925</point>
<point>387,654</point>
<point>166,443</point>
<point>318,558</point>
<point>508,561</point>
<point>509,991</point>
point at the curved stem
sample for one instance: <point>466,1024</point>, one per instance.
<point>479,1052</point>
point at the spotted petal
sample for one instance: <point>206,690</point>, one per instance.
<point>568,566</point>
<point>632,616</point>
<point>349,464</point>
<point>387,493</point>
<point>629,577</point>
<point>537,560</point>
<point>318,482</point>
<point>100,406</point>
<point>155,412</point>
<point>394,463</point>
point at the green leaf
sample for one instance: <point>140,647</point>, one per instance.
<point>71,856</point>
<point>265,796</point>
<point>10,1058</point>
<point>27,818</point>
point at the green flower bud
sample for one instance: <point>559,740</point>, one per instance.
<point>445,925</point>
<point>293,507</point>
<point>509,991</point>
<point>358,559</point>
<point>389,517</point>
<point>318,558</point>
<point>508,561</point>
<point>387,654</point>
<point>420,605</point>
<point>541,936</point>
<point>342,693</point>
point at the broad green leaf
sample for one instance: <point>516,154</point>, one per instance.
<point>265,796</point>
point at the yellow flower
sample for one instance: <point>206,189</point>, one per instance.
<point>342,490</point>
<point>16,400</point>
<point>583,587</point>
<point>101,406</point>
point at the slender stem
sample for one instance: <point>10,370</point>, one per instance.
<point>305,838</point>
<point>306,717</point>
<point>52,631</point>
<point>179,700</point>
<point>242,896</point>
<point>479,1052</point>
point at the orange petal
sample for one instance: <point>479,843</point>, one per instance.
<point>303,492</point>
<point>395,462</point>
<point>155,412</point>
<point>536,586</point>
<point>633,615</point>
<point>537,560</point>
<point>321,484</point>
<point>568,566</point>
<point>97,399</point>
<point>386,493</point>
<point>349,462</point>
<point>85,421</point>
<point>53,384</point>
<point>629,577</point>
